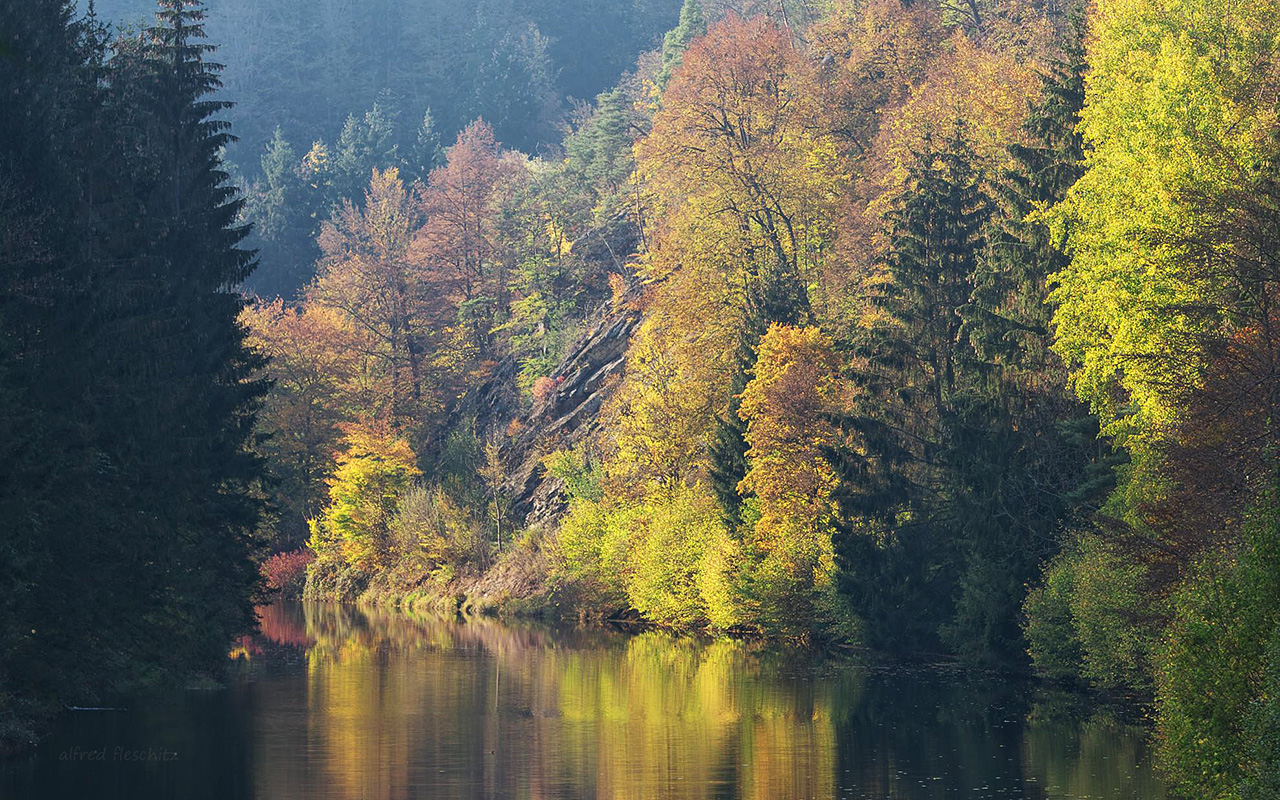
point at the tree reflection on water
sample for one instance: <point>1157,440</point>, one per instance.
<point>339,703</point>
<point>396,706</point>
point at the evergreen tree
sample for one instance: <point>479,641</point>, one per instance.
<point>1009,318</point>
<point>367,143</point>
<point>975,453</point>
<point>283,234</point>
<point>202,401</point>
<point>601,149</point>
<point>48,62</point>
<point>512,87</point>
<point>599,165</point>
<point>1025,455</point>
<point>426,153</point>
<point>277,170</point>
<point>290,206</point>
<point>936,237</point>
<point>728,448</point>
<point>124,368</point>
<point>897,545</point>
<point>692,24</point>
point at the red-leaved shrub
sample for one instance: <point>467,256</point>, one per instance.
<point>286,573</point>
<point>543,388</point>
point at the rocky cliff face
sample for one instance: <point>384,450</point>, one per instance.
<point>585,379</point>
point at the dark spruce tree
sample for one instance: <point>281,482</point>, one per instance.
<point>975,456</point>
<point>202,395</point>
<point>284,232</point>
<point>127,401</point>
<point>898,547</point>
<point>1025,455</point>
<point>691,25</point>
<point>1009,318</point>
<point>47,65</point>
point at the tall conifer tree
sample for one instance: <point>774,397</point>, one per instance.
<point>204,400</point>
<point>124,370</point>
<point>895,550</point>
<point>692,24</point>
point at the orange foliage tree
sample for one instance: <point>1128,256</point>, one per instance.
<point>788,409</point>
<point>315,361</point>
<point>875,53</point>
<point>988,89</point>
<point>386,298</point>
<point>457,243</point>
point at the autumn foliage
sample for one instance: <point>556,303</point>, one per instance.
<point>788,407</point>
<point>956,336</point>
<point>286,573</point>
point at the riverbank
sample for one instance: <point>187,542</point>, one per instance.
<point>519,584</point>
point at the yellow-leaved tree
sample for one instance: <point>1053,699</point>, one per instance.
<point>744,176</point>
<point>788,559</point>
<point>1180,109</point>
<point>1165,316</point>
<point>351,538</point>
<point>741,163</point>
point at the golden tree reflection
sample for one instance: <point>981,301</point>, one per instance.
<point>392,706</point>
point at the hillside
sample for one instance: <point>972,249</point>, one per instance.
<point>305,66</point>
<point>942,330</point>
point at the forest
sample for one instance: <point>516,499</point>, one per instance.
<point>933,329</point>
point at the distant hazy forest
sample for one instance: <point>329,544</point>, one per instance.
<point>314,69</point>
<point>306,65</point>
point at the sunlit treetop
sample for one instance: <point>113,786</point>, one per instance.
<point>1180,104</point>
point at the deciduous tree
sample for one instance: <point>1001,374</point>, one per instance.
<point>389,300</point>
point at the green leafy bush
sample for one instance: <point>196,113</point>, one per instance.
<point>660,555</point>
<point>1086,620</point>
<point>592,547</point>
<point>1262,728</point>
<point>1051,634</point>
<point>1217,672</point>
<point>430,530</point>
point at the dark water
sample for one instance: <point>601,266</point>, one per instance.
<point>332,702</point>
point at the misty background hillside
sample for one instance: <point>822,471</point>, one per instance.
<point>306,65</point>
<point>324,91</point>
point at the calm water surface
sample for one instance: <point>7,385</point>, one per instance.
<point>334,702</point>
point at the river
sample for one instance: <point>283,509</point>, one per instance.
<point>332,702</point>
